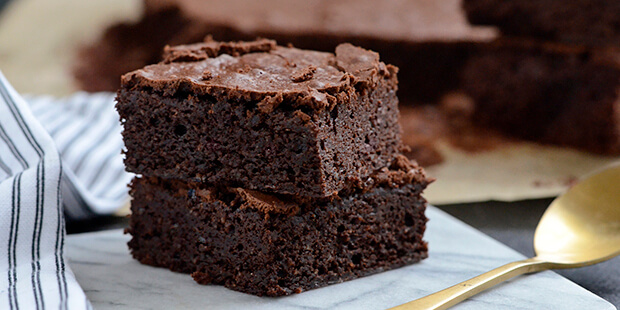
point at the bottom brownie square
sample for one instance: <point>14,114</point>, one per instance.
<point>277,245</point>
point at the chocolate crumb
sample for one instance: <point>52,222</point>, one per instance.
<point>304,74</point>
<point>207,75</point>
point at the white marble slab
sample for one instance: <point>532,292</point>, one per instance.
<point>113,280</point>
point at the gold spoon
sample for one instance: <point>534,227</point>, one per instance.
<point>580,228</point>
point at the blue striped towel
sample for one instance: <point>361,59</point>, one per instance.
<point>56,155</point>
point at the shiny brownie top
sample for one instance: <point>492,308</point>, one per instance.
<point>261,70</point>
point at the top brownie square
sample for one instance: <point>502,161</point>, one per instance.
<point>261,116</point>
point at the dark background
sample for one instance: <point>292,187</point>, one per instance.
<point>512,223</point>
<point>2,3</point>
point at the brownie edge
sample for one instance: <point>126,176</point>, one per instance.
<point>276,245</point>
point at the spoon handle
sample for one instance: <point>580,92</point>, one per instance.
<point>459,292</point>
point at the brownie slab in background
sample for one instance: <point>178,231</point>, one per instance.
<point>553,93</point>
<point>262,117</point>
<point>427,40</point>
<point>277,245</point>
<point>590,22</point>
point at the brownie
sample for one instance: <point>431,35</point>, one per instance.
<point>590,22</point>
<point>428,40</point>
<point>548,92</point>
<point>275,245</point>
<point>261,117</point>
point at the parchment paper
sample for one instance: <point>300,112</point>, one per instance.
<point>38,40</point>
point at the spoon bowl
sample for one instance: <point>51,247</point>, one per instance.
<point>580,228</point>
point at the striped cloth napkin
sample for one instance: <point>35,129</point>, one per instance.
<point>56,155</point>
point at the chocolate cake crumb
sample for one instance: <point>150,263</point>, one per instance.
<point>304,74</point>
<point>211,48</point>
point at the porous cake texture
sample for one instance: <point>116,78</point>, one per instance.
<point>262,117</point>
<point>277,245</point>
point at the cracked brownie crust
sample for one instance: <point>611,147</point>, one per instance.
<point>262,117</point>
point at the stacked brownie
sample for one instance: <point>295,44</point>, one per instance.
<point>270,170</point>
<point>555,75</point>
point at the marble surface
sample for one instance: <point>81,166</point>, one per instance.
<point>113,280</point>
